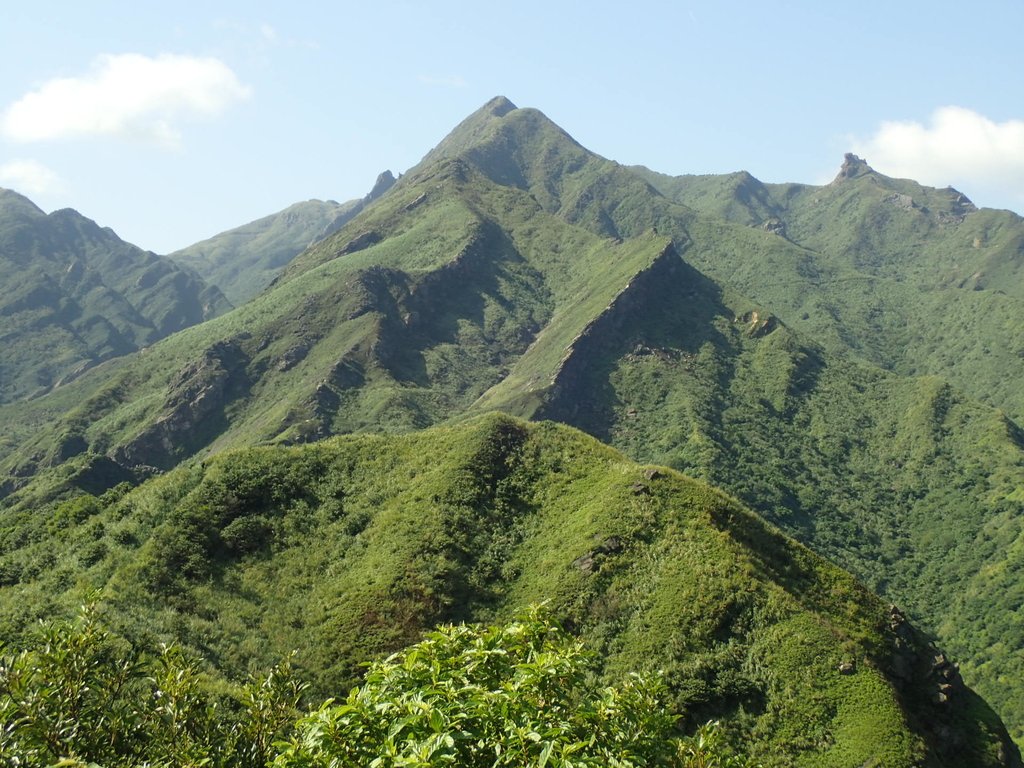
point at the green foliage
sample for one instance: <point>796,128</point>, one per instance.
<point>518,694</point>
<point>523,693</point>
<point>79,695</point>
<point>371,541</point>
<point>513,270</point>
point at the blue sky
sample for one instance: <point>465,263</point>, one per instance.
<point>171,122</point>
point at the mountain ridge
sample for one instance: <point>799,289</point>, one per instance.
<point>243,261</point>
<point>77,295</point>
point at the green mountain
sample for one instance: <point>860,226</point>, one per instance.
<point>514,270</point>
<point>352,547</point>
<point>913,279</point>
<point>245,260</point>
<point>75,295</point>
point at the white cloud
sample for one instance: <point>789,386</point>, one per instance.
<point>958,147</point>
<point>127,95</point>
<point>30,178</point>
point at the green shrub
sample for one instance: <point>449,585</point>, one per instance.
<point>82,696</point>
<point>522,694</point>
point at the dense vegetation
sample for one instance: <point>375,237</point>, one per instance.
<point>913,279</point>
<point>513,270</point>
<point>511,695</point>
<point>347,549</point>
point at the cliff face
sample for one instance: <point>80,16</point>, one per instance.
<point>568,397</point>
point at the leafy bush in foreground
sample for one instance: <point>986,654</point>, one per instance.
<point>81,696</point>
<point>522,694</point>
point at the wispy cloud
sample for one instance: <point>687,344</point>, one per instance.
<point>31,178</point>
<point>446,81</point>
<point>268,32</point>
<point>262,37</point>
<point>126,95</point>
<point>957,146</point>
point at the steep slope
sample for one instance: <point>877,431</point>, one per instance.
<point>915,279</point>
<point>75,295</point>
<point>243,261</point>
<point>513,270</point>
<point>351,547</point>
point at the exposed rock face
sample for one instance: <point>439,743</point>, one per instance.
<point>193,408</point>
<point>906,202</point>
<point>935,692</point>
<point>960,205</point>
<point>853,167</point>
<point>384,182</point>
<point>359,242</point>
<point>591,560</point>
<point>758,324</point>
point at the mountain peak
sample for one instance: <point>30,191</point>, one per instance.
<point>499,106</point>
<point>384,182</point>
<point>853,167</point>
<point>15,201</point>
<point>470,130</point>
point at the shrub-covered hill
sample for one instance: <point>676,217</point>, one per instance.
<point>349,548</point>
<point>75,294</point>
<point>513,270</point>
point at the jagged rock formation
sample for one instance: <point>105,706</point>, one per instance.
<point>852,168</point>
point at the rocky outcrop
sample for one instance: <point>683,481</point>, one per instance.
<point>932,689</point>
<point>758,324</point>
<point>852,168</point>
<point>959,206</point>
<point>590,561</point>
<point>193,411</point>
<point>906,202</point>
<point>360,242</point>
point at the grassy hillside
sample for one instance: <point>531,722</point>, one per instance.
<point>75,294</point>
<point>243,261</point>
<point>351,547</point>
